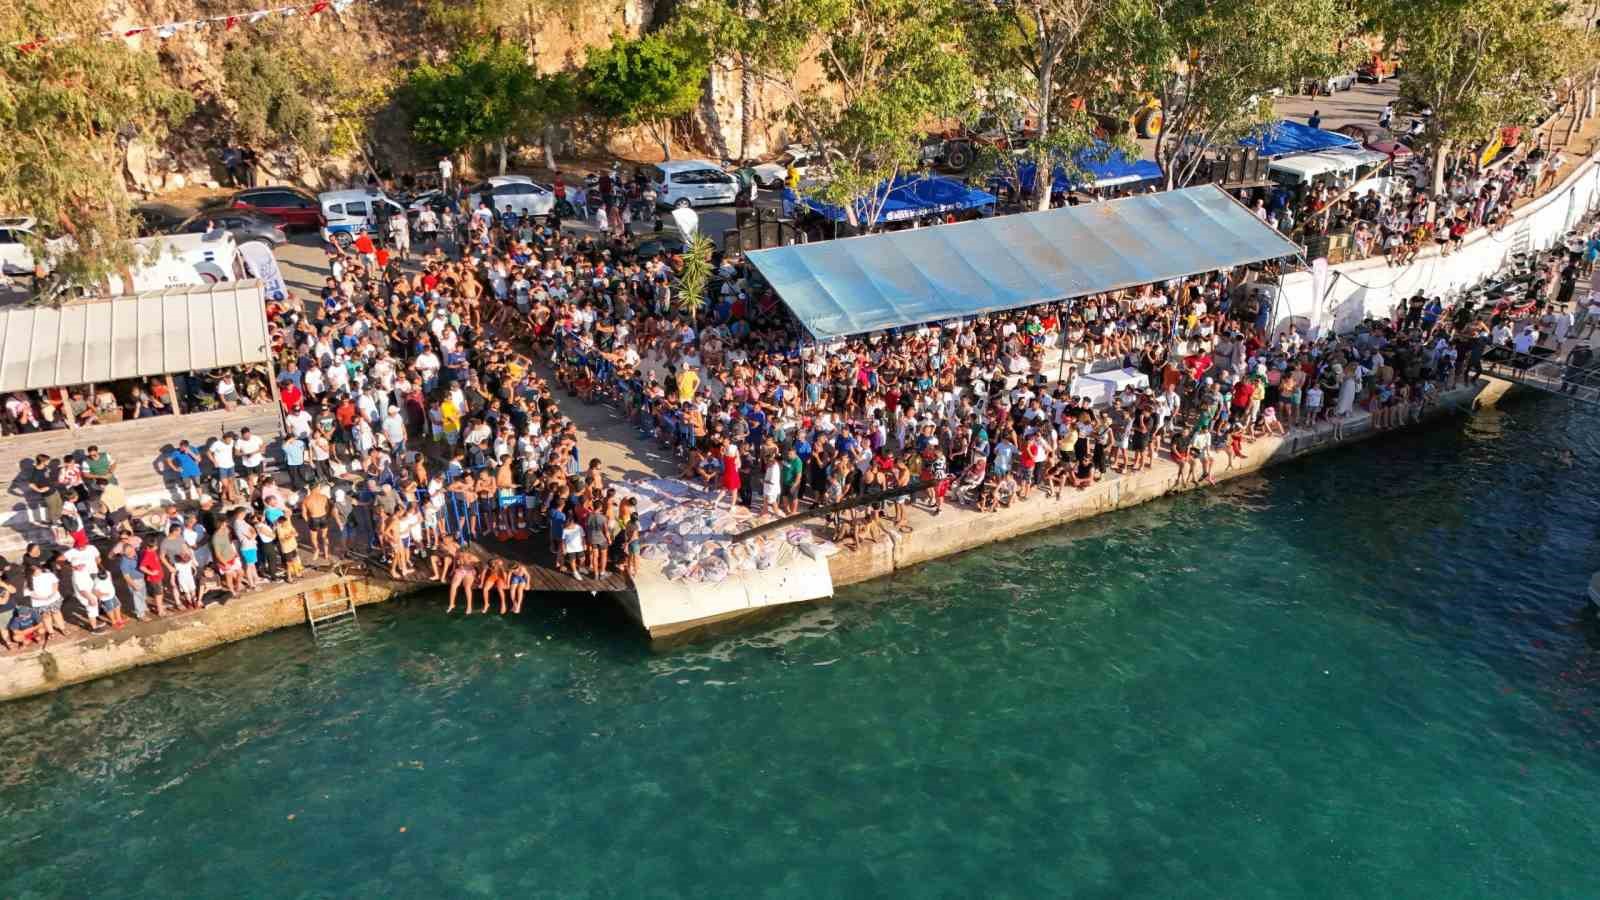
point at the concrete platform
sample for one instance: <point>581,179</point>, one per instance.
<point>672,612</point>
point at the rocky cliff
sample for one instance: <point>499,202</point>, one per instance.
<point>372,42</point>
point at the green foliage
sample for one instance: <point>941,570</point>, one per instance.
<point>485,91</point>
<point>894,69</point>
<point>1030,39</point>
<point>1070,139</point>
<point>290,87</point>
<point>1212,65</point>
<point>696,275</point>
<point>1479,64</point>
<point>647,81</point>
<point>460,22</point>
<point>271,104</point>
<point>61,108</point>
<point>772,37</point>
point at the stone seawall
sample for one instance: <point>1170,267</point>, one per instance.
<point>142,643</point>
<point>959,530</point>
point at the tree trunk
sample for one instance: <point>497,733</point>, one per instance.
<point>500,148</point>
<point>1044,172</point>
<point>550,137</point>
<point>1440,154</point>
<point>747,103</point>
<point>664,137</point>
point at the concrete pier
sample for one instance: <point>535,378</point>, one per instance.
<point>958,529</point>
<point>38,670</point>
<point>681,612</point>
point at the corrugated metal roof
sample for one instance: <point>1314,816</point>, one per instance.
<point>865,284</point>
<point>176,330</point>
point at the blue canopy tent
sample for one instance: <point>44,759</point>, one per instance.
<point>1104,170</point>
<point>1286,138</point>
<point>905,278</point>
<point>909,197</point>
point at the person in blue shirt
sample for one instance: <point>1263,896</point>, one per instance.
<point>1004,452</point>
<point>182,466</point>
<point>294,459</point>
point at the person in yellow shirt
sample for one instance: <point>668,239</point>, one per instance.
<point>451,417</point>
<point>688,381</point>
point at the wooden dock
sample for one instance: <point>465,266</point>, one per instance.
<point>534,552</point>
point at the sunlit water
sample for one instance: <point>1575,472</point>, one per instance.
<point>1369,674</point>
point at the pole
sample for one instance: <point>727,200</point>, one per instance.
<point>172,392</point>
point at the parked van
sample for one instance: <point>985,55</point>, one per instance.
<point>182,260</point>
<point>349,213</point>
<point>681,183</point>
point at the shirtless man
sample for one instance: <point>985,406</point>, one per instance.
<point>315,506</point>
<point>506,492</point>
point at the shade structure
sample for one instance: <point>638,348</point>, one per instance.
<point>865,284</point>
<point>1286,138</point>
<point>909,197</point>
<point>1105,169</point>
<point>176,330</point>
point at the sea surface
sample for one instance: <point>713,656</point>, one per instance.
<point>1371,673</point>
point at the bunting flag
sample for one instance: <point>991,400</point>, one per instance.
<point>173,29</point>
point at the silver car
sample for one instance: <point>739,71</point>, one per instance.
<point>681,183</point>
<point>525,196</point>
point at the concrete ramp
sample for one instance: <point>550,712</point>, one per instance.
<point>667,605</point>
<point>692,570</point>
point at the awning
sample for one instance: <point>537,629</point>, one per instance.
<point>864,284</point>
<point>177,330</point>
<point>1284,138</point>
<point>1104,170</point>
<point>909,197</point>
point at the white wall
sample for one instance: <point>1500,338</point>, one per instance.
<point>1351,291</point>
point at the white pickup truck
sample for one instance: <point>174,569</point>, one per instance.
<point>173,260</point>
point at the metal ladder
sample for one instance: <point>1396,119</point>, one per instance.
<point>332,617</point>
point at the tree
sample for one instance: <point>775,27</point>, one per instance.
<point>1212,66</point>
<point>483,93</point>
<point>893,68</point>
<point>1479,64</point>
<point>764,41</point>
<point>1030,40</point>
<point>647,81</point>
<point>289,87</point>
<point>65,109</point>
<point>696,275</point>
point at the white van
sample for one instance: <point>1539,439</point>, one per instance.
<point>1336,168</point>
<point>681,183</point>
<point>349,213</point>
<point>181,260</point>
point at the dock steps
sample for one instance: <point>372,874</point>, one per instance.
<point>328,616</point>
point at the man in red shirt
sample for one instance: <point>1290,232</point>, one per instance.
<point>290,396</point>
<point>1242,391</point>
<point>345,414</point>
<point>363,245</point>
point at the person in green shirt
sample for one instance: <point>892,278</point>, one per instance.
<point>99,469</point>
<point>789,479</point>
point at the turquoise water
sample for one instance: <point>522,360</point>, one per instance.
<point>1369,674</point>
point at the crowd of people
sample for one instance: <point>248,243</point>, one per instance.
<point>1396,215</point>
<point>417,421</point>
<point>62,409</point>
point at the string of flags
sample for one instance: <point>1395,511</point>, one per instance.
<point>172,29</point>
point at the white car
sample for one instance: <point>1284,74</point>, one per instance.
<point>524,195</point>
<point>682,183</point>
<point>772,174</point>
<point>1344,81</point>
<point>16,258</point>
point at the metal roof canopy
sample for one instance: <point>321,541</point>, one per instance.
<point>180,329</point>
<point>865,284</point>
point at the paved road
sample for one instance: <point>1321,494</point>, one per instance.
<point>305,265</point>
